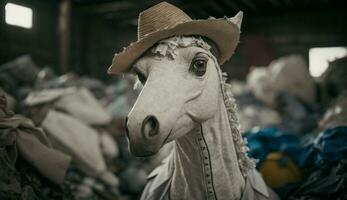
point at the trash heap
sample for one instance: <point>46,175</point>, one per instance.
<point>62,137</point>
<point>296,127</point>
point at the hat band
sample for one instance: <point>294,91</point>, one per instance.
<point>214,48</point>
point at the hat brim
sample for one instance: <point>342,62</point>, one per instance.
<point>222,32</point>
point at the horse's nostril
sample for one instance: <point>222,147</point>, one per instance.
<point>126,127</point>
<point>150,126</point>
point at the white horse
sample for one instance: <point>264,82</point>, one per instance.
<point>185,99</point>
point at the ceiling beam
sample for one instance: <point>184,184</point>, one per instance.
<point>232,4</point>
<point>109,7</point>
<point>246,5</point>
<point>250,4</point>
<point>274,3</point>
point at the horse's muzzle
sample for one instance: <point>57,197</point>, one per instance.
<point>149,141</point>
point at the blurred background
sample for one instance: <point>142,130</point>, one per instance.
<point>82,35</point>
<point>288,75</point>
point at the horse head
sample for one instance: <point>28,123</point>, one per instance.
<point>181,88</point>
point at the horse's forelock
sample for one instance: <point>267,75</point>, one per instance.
<point>167,47</point>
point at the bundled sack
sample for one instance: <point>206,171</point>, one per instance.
<point>84,106</point>
<point>324,158</point>
<point>47,79</point>
<point>279,170</point>
<point>33,144</point>
<point>73,137</point>
<point>78,102</point>
<point>251,116</point>
<point>329,146</point>
<point>297,115</point>
<point>22,69</point>
<point>47,96</point>
<point>262,142</point>
<point>288,74</point>
<point>21,181</point>
<point>252,112</point>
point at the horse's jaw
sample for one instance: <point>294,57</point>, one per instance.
<point>205,161</point>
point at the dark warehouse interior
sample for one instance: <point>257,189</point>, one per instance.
<point>175,99</point>
<point>98,29</point>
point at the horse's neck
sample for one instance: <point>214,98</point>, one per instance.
<point>206,165</point>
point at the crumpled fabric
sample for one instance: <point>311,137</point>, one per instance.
<point>252,112</point>
<point>19,180</point>
<point>297,115</point>
<point>288,112</point>
<point>73,137</point>
<point>47,95</point>
<point>76,104</point>
<point>336,115</point>
<point>328,182</point>
<point>21,69</point>
<point>35,147</point>
<point>330,146</point>
<point>87,188</point>
<point>46,79</point>
<point>261,142</point>
<point>8,158</point>
<point>20,176</point>
<point>33,144</point>
<point>74,101</point>
<point>18,76</point>
<point>288,74</point>
<point>257,116</point>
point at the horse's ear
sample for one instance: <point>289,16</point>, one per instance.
<point>237,19</point>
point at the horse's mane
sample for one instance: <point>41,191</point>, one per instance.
<point>245,163</point>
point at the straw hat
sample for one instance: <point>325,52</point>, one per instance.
<point>165,20</point>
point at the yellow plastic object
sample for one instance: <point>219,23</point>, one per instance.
<point>278,170</point>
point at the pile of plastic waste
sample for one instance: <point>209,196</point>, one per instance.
<point>296,127</point>
<point>62,137</point>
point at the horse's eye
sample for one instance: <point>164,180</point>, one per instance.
<point>198,66</point>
